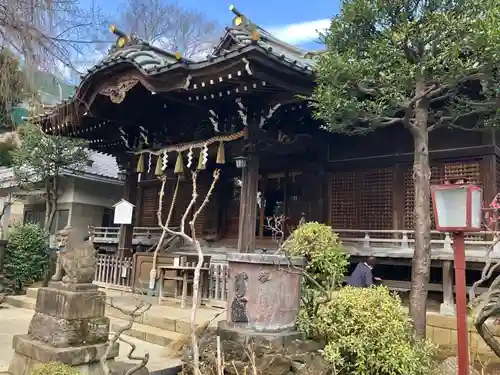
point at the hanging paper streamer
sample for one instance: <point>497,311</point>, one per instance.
<point>164,161</point>
<point>179,166</point>
<point>221,155</point>
<point>158,169</point>
<point>150,162</point>
<point>140,167</point>
<point>152,278</point>
<point>190,158</point>
<point>201,164</point>
<point>204,152</point>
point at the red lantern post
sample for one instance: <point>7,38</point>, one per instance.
<point>457,210</point>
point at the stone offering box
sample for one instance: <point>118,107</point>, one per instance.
<point>263,291</point>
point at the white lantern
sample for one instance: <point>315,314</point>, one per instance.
<point>457,208</point>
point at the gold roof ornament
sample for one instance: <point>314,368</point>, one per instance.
<point>122,39</point>
<point>239,20</point>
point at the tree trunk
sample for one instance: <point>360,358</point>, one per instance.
<point>422,255</point>
<point>50,213</point>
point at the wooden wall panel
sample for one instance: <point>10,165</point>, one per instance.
<point>149,205</point>
<point>343,203</point>
<point>375,208</point>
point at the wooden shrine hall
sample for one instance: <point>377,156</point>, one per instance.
<point>162,115</point>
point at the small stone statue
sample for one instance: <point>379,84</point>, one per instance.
<point>75,264</point>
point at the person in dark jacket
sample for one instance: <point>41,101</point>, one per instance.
<point>362,276</point>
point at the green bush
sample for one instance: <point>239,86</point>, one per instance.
<point>26,256</point>
<point>326,265</point>
<point>54,368</point>
<point>367,332</point>
<point>326,259</point>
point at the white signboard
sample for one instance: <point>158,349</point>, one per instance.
<point>123,212</point>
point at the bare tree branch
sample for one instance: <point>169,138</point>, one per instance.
<point>169,25</point>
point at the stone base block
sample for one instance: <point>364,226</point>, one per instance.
<point>60,333</point>
<point>29,353</point>
<point>121,368</point>
<point>72,287</point>
<point>22,365</point>
<point>275,340</point>
<point>447,309</point>
<point>69,304</point>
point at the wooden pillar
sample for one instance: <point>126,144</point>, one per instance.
<point>398,197</point>
<point>488,177</point>
<point>248,205</point>
<point>448,305</point>
<point>262,221</point>
<point>130,195</point>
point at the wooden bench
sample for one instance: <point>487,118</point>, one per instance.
<point>183,275</point>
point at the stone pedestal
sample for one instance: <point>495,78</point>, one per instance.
<point>263,292</point>
<point>68,326</point>
<point>447,309</point>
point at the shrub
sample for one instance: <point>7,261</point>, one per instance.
<point>326,259</point>
<point>54,368</point>
<point>367,332</point>
<point>326,265</point>
<point>26,255</point>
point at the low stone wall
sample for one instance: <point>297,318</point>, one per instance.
<point>442,330</point>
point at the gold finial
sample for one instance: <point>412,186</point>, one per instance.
<point>121,41</point>
<point>255,35</point>
<point>112,28</point>
<point>233,9</point>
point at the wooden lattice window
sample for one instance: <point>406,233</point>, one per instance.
<point>343,208</point>
<point>439,173</point>
<point>470,170</point>
<point>436,178</point>
<point>375,197</point>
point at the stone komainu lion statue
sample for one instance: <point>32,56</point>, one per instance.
<point>75,264</point>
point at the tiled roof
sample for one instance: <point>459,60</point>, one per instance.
<point>242,36</point>
<point>103,165</point>
<point>143,55</point>
<point>151,59</point>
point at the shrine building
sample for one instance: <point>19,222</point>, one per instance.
<point>162,115</point>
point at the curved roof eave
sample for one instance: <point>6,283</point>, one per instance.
<point>186,66</point>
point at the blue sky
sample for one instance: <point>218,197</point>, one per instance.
<point>295,21</point>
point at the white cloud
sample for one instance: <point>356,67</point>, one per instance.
<point>297,33</point>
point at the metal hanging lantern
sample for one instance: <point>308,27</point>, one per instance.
<point>241,162</point>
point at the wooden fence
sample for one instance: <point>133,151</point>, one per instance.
<point>116,273</point>
<point>216,293</point>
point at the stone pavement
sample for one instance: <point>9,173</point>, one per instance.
<point>15,321</point>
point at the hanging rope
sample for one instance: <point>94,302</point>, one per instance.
<point>186,146</point>
<point>152,273</point>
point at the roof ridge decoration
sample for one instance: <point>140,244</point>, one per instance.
<point>242,24</point>
<point>128,40</point>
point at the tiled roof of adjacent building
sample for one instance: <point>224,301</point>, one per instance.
<point>103,166</point>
